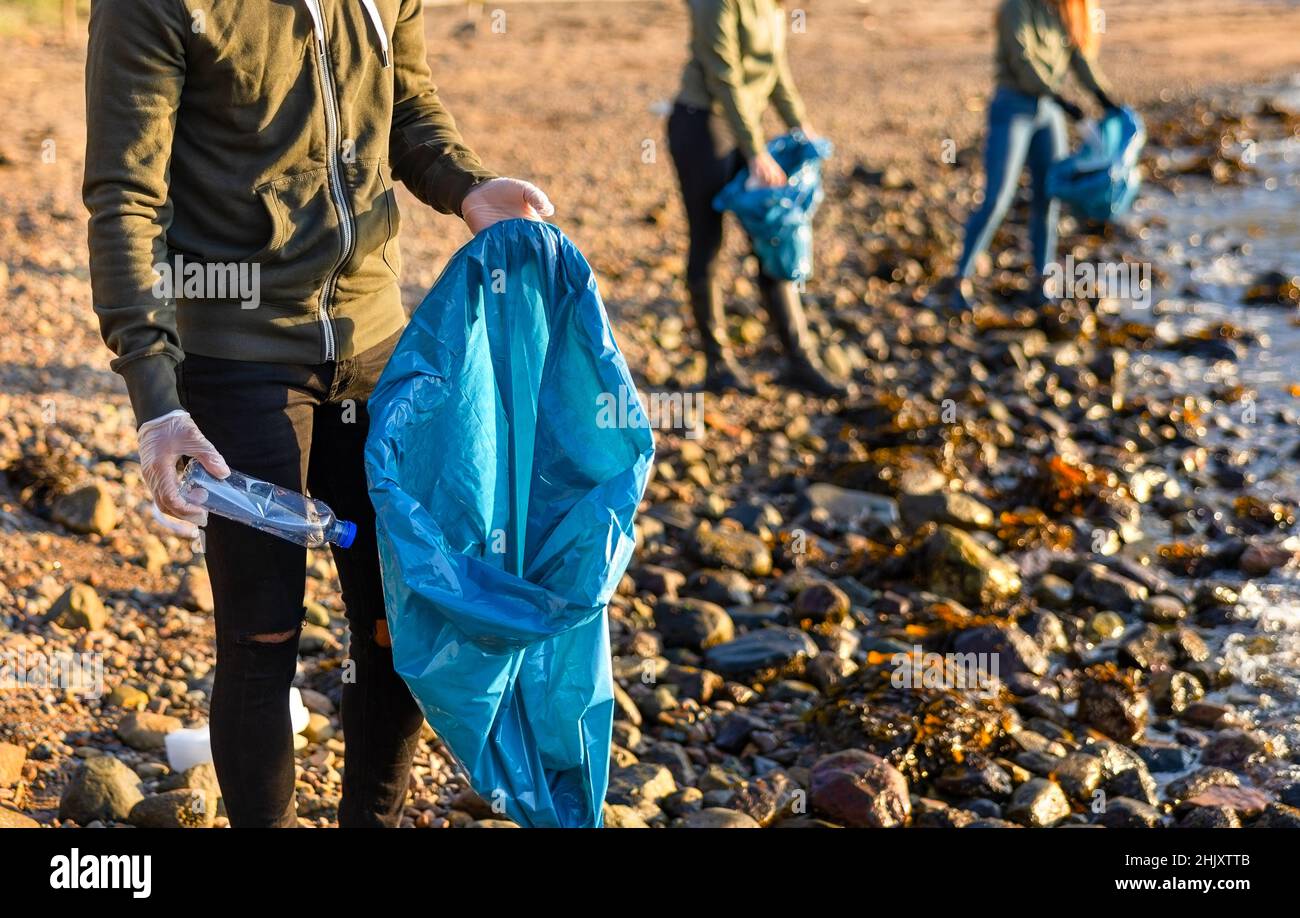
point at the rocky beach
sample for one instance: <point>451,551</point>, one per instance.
<point>1040,570</point>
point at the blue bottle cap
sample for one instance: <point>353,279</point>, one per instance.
<point>347,532</point>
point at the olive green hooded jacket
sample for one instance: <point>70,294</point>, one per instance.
<point>263,137</point>
<point>1035,54</point>
<point>738,66</point>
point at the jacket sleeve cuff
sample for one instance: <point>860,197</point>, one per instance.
<point>151,386</point>
<point>459,184</point>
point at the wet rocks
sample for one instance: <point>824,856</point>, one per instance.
<point>1163,610</point>
<point>860,790</point>
<point>727,588</point>
<point>1278,816</point>
<point>822,602</point>
<point>1173,690</point>
<point>767,651</point>
<point>976,777</point>
<point>618,816</point>
<point>713,817</point>
<point>1107,590</point>
<point>693,623</point>
<point>1246,802</point>
<point>1015,651</point>
<point>768,798</point>
<point>848,509</point>
<point>1259,559</point>
<point>1164,757</point>
<point>640,786</point>
<point>1038,803</point>
<point>1208,817</point>
<point>1145,648</point>
<point>1135,782</point>
<point>921,731</point>
<point>1126,813</point>
<point>1112,702</point>
<point>733,548</point>
<point>956,565</point>
<point>104,789</point>
<point>736,728</point>
<point>951,507</point>
<point>1079,775</point>
<point>1199,781</point>
<point>1234,748</point>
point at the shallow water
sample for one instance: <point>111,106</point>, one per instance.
<point>1214,241</point>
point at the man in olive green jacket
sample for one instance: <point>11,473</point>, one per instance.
<point>240,161</point>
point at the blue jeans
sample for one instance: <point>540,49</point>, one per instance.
<point>1021,127</point>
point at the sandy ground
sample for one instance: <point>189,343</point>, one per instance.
<point>571,96</point>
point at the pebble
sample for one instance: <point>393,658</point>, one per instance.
<point>1038,803</point>
<point>145,730</point>
<point>103,789</point>
<point>718,818</point>
<point>88,510</point>
<point>79,608</point>
<point>860,790</point>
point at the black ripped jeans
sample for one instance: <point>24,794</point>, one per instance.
<point>302,427</point>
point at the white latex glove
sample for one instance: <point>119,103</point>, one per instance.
<point>764,172</point>
<point>504,199</point>
<point>163,441</point>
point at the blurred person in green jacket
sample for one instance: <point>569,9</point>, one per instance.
<point>1039,44</point>
<point>737,68</point>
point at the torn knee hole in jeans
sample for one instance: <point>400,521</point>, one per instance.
<point>275,637</point>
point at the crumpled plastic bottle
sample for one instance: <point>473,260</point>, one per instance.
<point>270,508</point>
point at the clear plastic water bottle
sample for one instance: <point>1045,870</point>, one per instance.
<point>267,507</point>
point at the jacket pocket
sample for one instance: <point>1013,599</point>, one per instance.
<point>374,209</point>
<point>304,244</point>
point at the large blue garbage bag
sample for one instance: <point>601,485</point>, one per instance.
<point>779,220</point>
<point>505,499</point>
<point>1102,179</point>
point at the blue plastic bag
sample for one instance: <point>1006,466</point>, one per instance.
<point>779,220</point>
<point>505,501</point>
<point>1102,179</point>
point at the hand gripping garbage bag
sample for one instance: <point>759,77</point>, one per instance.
<point>505,499</point>
<point>1101,180</point>
<point>779,220</point>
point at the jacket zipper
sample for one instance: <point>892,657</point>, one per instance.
<point>334,168</point>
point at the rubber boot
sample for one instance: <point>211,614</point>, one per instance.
<point>722,372</point>
<point>803,367</point>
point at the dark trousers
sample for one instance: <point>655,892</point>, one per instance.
<point>302,427</point>
<point>706,159</point>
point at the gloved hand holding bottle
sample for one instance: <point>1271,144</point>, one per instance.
<point>163,441</point>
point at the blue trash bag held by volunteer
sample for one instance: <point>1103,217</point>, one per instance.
<point>1102,179</point>
<point>505,493</point>
<point>779,220</point>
